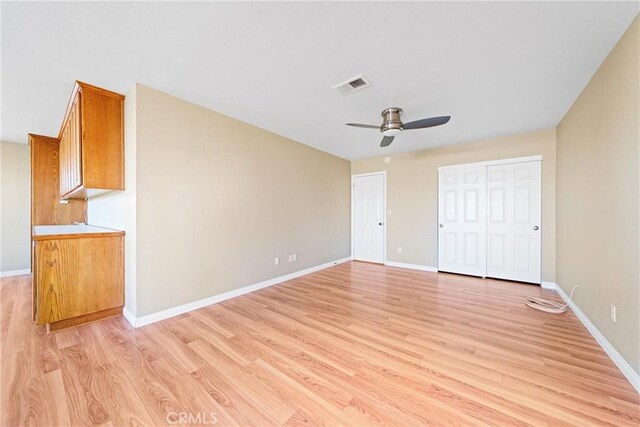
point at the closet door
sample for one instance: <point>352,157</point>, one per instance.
<point>462,220</point>
<point>513,221</point>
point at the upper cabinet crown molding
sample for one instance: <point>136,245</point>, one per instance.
<point>92,143</point>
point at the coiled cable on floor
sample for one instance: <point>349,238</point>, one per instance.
<point>548,305</point>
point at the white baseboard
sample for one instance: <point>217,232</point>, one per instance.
<point>129,316</point>
<point>549,285</point>
<point>623,365</point>
<point>185,308</point>
<point>411,266</point>
<point>15,273</point>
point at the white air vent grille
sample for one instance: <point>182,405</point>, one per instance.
<point>354,84</point>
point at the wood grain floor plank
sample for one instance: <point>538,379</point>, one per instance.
<point>246,383</point>
<point>94,345</point>
<point>157,398</point>
<point>84,405</point>
<point>119,397</point>
<point>8,291</point>
<point>195,399</point>
<point>357,344</point>
<point>188,359</point>
<point>14,389</point>
<point>41,412</point>
<point>43,352</point>
<point>237,405</point>
<point>18,335</point>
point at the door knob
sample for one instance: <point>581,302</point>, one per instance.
<point>536,228</point>
<point>441,225</point>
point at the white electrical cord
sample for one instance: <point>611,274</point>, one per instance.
<point>547,305</point>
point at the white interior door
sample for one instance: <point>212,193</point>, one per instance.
<point>462,220</point>
<point>368,218</point>
<point>513,221</point>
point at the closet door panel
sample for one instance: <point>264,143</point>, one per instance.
<point>513,221</point>
<point>462,220</point>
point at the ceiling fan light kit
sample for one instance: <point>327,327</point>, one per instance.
<point>392,124</point>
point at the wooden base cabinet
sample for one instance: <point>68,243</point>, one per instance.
<point>78,274</point>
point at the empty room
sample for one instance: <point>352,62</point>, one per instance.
<point>320,213</point>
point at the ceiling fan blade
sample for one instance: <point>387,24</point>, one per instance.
<point>386,141</point>
<point>427,123</point>
<point>359,125</point>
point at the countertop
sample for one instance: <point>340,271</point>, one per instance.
<point>76,230</point>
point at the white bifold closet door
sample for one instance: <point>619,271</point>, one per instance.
<point>513,221</point>
<point>489,220</point>
<point>462,220</point>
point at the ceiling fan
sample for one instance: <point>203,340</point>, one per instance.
<point>392,124</point>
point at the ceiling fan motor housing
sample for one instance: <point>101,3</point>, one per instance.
<point>391,123</point>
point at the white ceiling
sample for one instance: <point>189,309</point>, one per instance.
<point>496,68</point>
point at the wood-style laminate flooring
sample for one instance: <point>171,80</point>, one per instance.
<point>357,344</point>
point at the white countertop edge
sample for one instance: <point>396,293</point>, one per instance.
<point>54,230</point>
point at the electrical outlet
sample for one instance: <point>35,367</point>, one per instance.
<point>399,250</point>
<point>613,313</point>
<point>276,261</point>
<point>294,256</point>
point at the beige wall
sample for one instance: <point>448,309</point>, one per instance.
<point>218,199</point>
<point>15,207</point>
<point>412,192</point>
<point>117,209</point>
<point>598,197</point>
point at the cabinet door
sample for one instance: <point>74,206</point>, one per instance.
<point>64,160</point>
<point>71,151</point>
<point>78,276</point>
<point>34,282</point>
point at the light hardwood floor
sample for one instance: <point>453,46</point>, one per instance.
<point>356,344</point>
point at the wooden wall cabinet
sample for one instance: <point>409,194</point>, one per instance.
<point>92,143</point>
<point>46,208</point>
<point>78,274</point>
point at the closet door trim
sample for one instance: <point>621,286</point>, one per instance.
<point>493,162</point>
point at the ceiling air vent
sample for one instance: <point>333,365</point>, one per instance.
<point>352,85</point>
